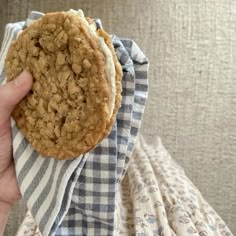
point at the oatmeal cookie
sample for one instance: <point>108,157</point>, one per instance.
<point>76,91</point>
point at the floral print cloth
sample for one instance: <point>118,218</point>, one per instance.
<point>156,198</point>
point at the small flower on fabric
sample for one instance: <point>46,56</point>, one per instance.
<point>150,218</point>
<point>184,220</point>
<point>157,204</point>
<point>191,230</point>
<point>158,232</point>
<point>203,233</point>
<point>153,189</point>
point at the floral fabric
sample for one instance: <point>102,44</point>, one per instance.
<point>157,198</point>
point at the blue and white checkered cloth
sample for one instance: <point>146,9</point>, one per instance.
<point>77,197</point>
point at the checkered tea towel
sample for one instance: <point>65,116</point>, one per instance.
<point>76,197</point>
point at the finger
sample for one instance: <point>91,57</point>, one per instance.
<point>13,92</point>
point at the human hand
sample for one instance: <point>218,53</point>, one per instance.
<point>10,94</point>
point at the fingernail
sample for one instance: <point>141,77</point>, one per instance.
<point>22,78</point>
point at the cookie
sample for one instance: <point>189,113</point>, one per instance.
<point>76,91</point>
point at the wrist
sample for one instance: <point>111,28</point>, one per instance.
<point>4,213</point>
<point>5,207</point>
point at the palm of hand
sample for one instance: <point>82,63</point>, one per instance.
<point>9,190</point>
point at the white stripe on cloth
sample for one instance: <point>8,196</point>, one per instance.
<point>10,31</point>
<point>38,164</point>
<point>48,201</point>
<point>5,40</point>
<point>60,191</point>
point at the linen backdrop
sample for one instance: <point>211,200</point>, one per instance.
<point>191,45</point>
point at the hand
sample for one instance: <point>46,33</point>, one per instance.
<point>10,94</point>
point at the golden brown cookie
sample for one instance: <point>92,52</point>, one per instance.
<point>76,91</point>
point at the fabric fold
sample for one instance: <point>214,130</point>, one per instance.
<point>157,198</point>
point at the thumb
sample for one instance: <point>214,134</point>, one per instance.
<point>12,93</point>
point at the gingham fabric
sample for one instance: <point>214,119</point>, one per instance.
<point>77,197</point>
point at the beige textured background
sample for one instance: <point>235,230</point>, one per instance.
<point>191,45</point>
